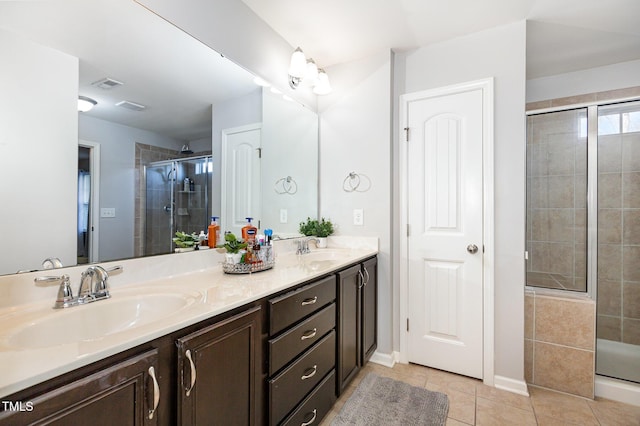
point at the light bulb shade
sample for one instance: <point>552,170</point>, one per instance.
<point>298,65</point>
<point>85,104</point>
<point>311,73</point>
<point>322,87</point>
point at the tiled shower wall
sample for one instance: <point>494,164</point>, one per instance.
<point>556,200</point>
<point>560,343</point>
<point>619,237</point>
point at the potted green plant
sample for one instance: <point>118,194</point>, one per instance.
<point>320,229</point>
<point>308,228</point>
<point>185,242</point>
<point>233,246</point>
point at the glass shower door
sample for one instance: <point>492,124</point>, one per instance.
<point>160,180</point>
<point>192,194</point>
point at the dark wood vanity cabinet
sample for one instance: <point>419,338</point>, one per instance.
<point>283,359</point>
<point>302,353</point>
<point>121,394</point>
<point>357,319</point>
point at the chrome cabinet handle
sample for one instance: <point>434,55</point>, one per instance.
<point>309,301</point>
<point>310,375</point>
<point>156,392</point>
<point>362,283</point>
<point>367,273</point>
<point>472,248</point>
<point>193,372</point>
<point>313,419</point>
<point>309,334</point>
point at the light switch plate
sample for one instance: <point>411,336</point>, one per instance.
<point>358,217</point>
<point>284,216</point>
<point>108,212</point>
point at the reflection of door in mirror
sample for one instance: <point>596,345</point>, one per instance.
<point>84,203</point>
<point>241,197</point>
<point>176,199</point>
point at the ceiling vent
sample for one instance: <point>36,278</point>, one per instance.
<point>131,106</point>
<point>107,83</point>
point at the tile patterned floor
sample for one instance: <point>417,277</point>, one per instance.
<point>473,403</point>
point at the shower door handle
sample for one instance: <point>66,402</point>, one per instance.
<point>472,248</point>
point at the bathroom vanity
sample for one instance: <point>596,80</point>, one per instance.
<point>276,347</point>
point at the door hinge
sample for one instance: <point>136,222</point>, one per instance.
<point>259,152</point>
<point>406,133</point>
<point>259,224</point>
<point>407,324</point>
<point>407,229</point>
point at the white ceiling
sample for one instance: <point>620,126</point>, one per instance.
<point>563,35</point>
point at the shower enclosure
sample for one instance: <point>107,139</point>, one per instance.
<point>177,199</point>
<point>583,220</point>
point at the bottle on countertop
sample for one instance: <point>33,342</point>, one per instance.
<point>214,232</point>
<point>249,232</point>
<point>202,239</point>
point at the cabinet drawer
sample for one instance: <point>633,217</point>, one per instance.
<point>291,307</point>
<point>288,345</point>
<point>288,388</point>
<point>313,409</point>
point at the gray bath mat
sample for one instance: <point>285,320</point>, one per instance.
<point>383,401</point>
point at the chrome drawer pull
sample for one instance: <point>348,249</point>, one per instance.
<point>362,282</point>
<point>309,301</point>
<point>310,375</point>
<point>367,273</point>
<point>193,372</point>
<point>156,392</point>
<point>309,334</point>
<point>313,419</point>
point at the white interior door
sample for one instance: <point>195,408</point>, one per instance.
<point>445,232</point>
<point>241,194</point>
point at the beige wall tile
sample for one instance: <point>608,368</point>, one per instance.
<point>631,190</point>
<point>631,331</point>
<point>609,328</point>
<point>564,369</point>
<point>631,227</point>
<point>630,263</point>
<point>609,154</point>
<point>631,152</point>
<point>609,262</point>
<point>609,95</point>
<point>565,321</point>
<point>531,106</point>
<point>572,100</point>
<point>609,190</point>
<point>529,304</point>
<point>609,297</point>
<point>528,361</point>
<point>631,300</point>
<point>609,226</point>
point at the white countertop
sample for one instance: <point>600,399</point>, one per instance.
<point>209,291</point>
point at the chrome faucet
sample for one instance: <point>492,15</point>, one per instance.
<point>94,286</point>
<point>303,245</point>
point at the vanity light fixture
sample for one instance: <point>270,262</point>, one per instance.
<point>85,104</point>
<point>303,69</point>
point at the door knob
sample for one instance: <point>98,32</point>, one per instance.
<point>472,248</point>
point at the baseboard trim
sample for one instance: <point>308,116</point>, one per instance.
<point>618,390</point>
<point>388,360</point>
<point>511,385</point>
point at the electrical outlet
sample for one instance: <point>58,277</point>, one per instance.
<point>358,217</point>
<point>108,212</point>
<point>284,216</point>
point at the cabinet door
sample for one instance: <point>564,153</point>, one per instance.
<point>369,309</point>
<point>349,317</point>
<point>122,394</point>
<point>219,372</point>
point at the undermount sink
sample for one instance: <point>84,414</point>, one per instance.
<point>93,321</point>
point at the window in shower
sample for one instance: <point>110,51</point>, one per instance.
<point>556,223</point>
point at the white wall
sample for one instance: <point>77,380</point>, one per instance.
<point>498,53</point>
<point>610,77</point>
<point>118,179</point>
<point>355,136</point>
<point>42,84</point>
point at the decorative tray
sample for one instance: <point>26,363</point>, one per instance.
<point>247,268</point>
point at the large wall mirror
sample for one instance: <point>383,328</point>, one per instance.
<point>172,116</point>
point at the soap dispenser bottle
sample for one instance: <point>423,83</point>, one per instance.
<point>249,231</point>
<point>214,232</point>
